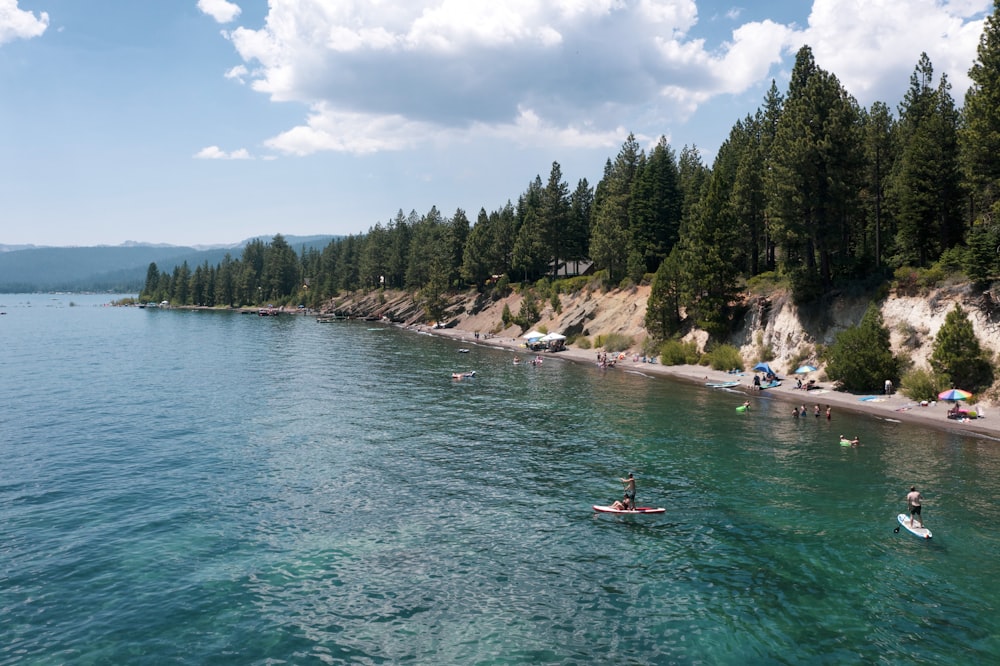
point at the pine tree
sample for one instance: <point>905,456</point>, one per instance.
<point>924,188</point>
<point>878,127</point>
<point>812,175</point>
<point>152,281</point>
<point>861,359</point>
<point>958,356</point>
<point>980,135</point>
<point>663,309</point>
<point>609,233</point>
<point>655,213</point>
<point>554,217</point>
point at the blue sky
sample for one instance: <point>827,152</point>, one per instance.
<point>201,122</point>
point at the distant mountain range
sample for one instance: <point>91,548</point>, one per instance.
<point>119,268</point>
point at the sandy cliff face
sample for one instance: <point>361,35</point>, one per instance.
<point>774,328</point>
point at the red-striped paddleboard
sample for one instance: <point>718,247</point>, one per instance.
<point>642,509</point>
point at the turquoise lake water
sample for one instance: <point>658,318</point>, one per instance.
<point>213,488</point>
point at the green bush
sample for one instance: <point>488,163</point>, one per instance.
<point>583,342</point>
<point>675,352</point>
<point>615,342</point>
<point>922,384</point>
<point>766,283</point>
<point>807,287</point>
<point>724,357</point>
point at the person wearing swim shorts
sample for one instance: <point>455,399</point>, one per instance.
<point>629,483</point>
<point>913,502</point>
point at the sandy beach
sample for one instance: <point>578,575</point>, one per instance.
<point>895,407</point>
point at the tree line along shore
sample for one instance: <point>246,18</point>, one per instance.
<point>811,195</point>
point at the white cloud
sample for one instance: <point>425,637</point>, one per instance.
<point>216,153</point>
<point>874,47</point>
<point>16,23</point>
<point>391,75</point>
<point>221,10</point>
<point>239,73</point>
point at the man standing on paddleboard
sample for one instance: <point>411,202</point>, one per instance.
<point>913,501</point>
<point>630,489</point>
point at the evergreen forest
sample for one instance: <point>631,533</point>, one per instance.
<point>811,190</point>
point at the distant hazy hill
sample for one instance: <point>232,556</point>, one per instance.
<point>120,268</point>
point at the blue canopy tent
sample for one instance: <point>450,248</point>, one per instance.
<point>765,368</point>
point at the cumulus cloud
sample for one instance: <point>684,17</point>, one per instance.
<point>16,23</point>
<point>388,75</point>
<point>238,73</point>
<point>874,47</point>
<point>216,153</point>
<point>221,10</point>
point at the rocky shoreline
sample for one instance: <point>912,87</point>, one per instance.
<point>475,320</point>
<point>892,408</point>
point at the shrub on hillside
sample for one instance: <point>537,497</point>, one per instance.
<point>615,342</point>
<point>724,357</point>
<point>922,384</point>
<point>675,352</point>
<point>506,317</point>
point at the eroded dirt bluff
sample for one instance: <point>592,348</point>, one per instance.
<point>773,326</point>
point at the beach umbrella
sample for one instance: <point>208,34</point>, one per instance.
<point>954,394</point>
<point>803,369</point>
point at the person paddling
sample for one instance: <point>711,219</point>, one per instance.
<point>629,483</point>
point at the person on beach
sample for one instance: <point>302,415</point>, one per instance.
<point>816,410</point>
<point>913,502</point>
<point>629,483</point>
<point>795,412</point>
<point>756,382</point>
<point>828,412</point>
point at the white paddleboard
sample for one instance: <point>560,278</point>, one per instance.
<point>921,532</point>
<point>641,509</point>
